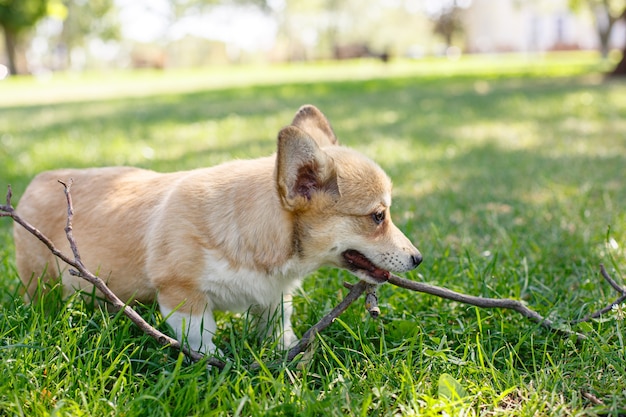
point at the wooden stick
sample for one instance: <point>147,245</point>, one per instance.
<point>503,303</point>
<point>355,292</point>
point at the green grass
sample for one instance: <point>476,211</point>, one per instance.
<point>509,176</point>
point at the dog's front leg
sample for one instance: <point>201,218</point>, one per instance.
<point>192,322</point>
<point>284,332</point>
<point>275,322</point>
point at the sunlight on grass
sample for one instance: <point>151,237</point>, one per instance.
<point>105,85</point>
<point>511,136</point>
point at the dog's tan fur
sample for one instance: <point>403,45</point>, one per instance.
<point>236,236</point>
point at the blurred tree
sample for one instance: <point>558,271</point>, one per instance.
<point>320,27</point>
<point>335,28</point>
<point>17,17</point>
<point>606,13</point>
<point>447,23</point>
<point>620,69</point>
<point>446,18</point>
<point>86,20</point>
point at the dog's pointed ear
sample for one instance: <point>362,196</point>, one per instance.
<point>303,170</point>
<point>310,119</point>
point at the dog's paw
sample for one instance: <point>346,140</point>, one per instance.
<point>288,340</point>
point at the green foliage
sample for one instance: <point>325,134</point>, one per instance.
<point>89,19</point>
<point>507,174</point>
<point>612,8</point>
<point>17,15</point>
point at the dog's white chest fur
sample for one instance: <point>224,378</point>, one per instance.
<point>236,288</point>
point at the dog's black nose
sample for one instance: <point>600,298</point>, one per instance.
<point>417,259</point>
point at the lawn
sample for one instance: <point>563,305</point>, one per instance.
<point>509,177</point>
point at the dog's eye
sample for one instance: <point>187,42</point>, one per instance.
<point>378,217</point>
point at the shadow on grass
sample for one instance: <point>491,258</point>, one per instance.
<point>421,111</point>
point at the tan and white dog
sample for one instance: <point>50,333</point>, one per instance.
<point>238,236</point>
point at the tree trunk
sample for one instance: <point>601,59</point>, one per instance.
<point>604,42</point>
<point>10,41</point>
<point>620,69</point>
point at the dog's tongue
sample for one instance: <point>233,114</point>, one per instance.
<point>359,261</point>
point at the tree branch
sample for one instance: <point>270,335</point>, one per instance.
<point>503,303</point>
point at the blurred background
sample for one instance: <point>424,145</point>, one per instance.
<point>41,37</point>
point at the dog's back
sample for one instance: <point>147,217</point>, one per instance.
<point>108,214</point>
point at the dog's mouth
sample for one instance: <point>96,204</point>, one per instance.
<point>359,264</point>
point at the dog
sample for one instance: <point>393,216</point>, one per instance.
<point>240,236</point>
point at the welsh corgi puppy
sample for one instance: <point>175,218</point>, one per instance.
<point>239,236</point>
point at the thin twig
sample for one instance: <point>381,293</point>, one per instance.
<point>371,299</point>
<point>611,281</point>
<point>68,225</point>
<point>6,210</point>
<point>9,195</point>
<point>592,398</point>
<point>605,309</point>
